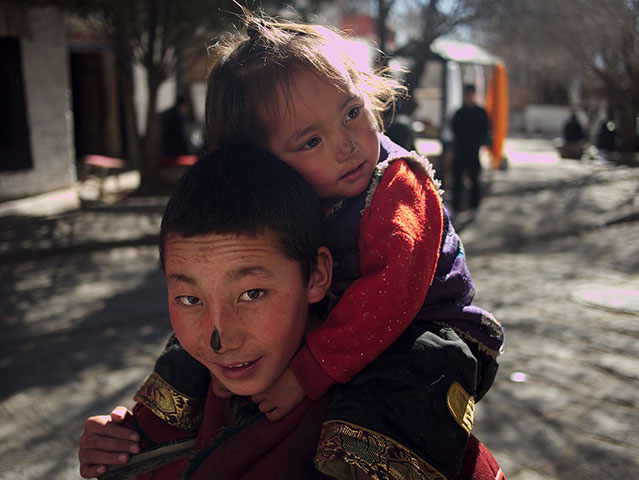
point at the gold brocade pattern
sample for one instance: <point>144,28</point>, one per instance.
<point>343,446</point>
<point>170,404</point>
<point>461,406</point>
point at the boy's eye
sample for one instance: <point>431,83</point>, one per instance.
<point>311,143</point>
<point>189,300</point>
<point>251,295</point>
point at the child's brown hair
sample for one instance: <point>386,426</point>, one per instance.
<point>252,65</point>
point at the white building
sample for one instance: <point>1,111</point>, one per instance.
<point>36,123</point>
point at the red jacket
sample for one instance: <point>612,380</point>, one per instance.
<point>399,239</point>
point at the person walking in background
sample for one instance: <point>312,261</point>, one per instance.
<point>470,127</point>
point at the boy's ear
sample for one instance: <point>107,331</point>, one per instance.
<point>321,276</point>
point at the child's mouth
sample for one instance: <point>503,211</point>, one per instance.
<point>354,174</point>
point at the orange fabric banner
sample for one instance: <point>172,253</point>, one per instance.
<point>497,110</point>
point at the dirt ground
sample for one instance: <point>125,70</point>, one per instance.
<point>554,254</point>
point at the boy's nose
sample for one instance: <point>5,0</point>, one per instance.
<point>216,340</point>
<point>224,336</point>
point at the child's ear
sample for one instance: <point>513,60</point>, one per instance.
<point>321,276</point>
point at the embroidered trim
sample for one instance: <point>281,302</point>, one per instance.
<point>343,446</point>
<point>491,352</point>
<point>377,176</point>
<point>413,158</point>
<point>170,404</point>
<point>488,321</point>
<point>461,406</point>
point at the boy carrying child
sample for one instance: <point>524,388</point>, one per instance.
<point>402,350</point>
<point>241,247</point>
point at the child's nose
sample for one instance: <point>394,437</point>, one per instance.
<point>348,146</point>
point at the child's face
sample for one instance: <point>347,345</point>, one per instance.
<point>327,135</point>
<point>245,288</point>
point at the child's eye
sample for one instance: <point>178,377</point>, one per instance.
<point>311,143</point>
<point>353,113</point>
<point>251,295</point>
<point>189,300</point>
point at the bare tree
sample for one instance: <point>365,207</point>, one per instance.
<point>154,34</point>
<point>383,11</point>
<point>596,40</point>
<point>435,18</point>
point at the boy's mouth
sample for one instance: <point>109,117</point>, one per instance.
<point>240,370</point>
<point>240,365</point>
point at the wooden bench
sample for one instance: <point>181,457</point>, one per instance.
<point>172,168</point>
<point>100,166</point>
<point>179,161</point>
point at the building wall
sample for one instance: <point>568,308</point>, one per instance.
<point>45,71</point>
<point>545,120</point>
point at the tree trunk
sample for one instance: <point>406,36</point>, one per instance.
<point>628,128</point>
<point>414,76</point>
<point>383,8</point>
<point>429,34</point>
<point>150,179</point>
<point>626,103</point>
<point>125,82</point>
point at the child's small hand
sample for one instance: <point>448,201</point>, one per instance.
<point>104,443</point>
<point>281,398</point>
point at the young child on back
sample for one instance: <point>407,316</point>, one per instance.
<point>401,330</point>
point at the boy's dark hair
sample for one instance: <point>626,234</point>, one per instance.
<point>243,190</point>
<point>469,88</point>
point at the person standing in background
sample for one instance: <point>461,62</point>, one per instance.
<point>174,138</point>
<point>470,127</point>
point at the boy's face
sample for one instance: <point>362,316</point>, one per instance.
<point>327,135</point>
<point>245,288</point>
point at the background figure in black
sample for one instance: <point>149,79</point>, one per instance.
<point>606,140</point>
<point>174,141</point>
<point>401,133</point>
<point>572,130</point>
<point>470,127</point>
<point>573,138</point>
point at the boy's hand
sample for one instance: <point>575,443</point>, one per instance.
<point>104,443</point>
<point>281,398</point>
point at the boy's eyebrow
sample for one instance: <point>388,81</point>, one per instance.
<point>248,271</point>
<point>180,277</point>
<point>233,275</point>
